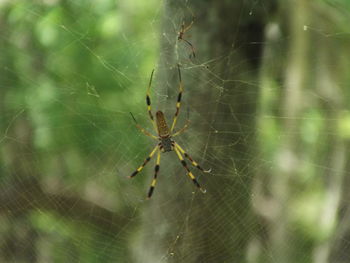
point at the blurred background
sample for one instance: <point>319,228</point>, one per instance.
<point>267,94</point>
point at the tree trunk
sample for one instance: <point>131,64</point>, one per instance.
<point>217,226</point>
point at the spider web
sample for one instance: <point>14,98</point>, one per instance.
<point>70,74</point>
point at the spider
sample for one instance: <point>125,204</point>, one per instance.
<point>180,36</point>
<point>165,138</point>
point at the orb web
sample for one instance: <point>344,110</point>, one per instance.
<point>70,76</point>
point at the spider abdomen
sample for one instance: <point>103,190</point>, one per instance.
<point>163,130</point>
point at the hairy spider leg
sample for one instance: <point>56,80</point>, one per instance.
<point>193,162</point>
<point>184,128</point>
<point>184,164</point>
<point>145,162</point>
<point>148,101</point>
<point>142,129</point>
<point>154,181</point>
<point>178,103</point>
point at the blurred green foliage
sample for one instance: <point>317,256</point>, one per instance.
<point>74,69</point>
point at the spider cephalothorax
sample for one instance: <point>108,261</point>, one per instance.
<point>166,143</point>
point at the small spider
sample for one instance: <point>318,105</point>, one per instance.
<point>166,143</point>
<point>180,36</point>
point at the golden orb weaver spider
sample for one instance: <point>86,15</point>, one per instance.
<point>166,143</point>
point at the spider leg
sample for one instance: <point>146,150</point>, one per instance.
<point>142,129</point>
<point>148,102</point>
<point>154,181</point>
<point>183,162</point>
<point>145,162</point>
<point>191,46</point>
<point>184,29</point>
<point>178,103</point>
<point>193,162</point>
<point>182,129</point>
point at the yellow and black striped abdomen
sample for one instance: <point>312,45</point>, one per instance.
<point>163,130</point>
